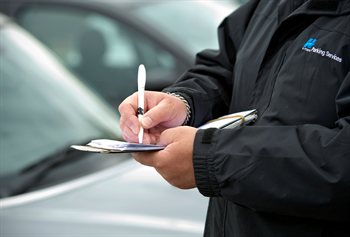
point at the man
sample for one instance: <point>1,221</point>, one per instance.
<point>289,173</point>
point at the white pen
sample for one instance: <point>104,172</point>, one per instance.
<point>141,82</point>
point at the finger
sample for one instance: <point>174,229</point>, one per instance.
<point>128,117</point>
<point>131,122</point>
<point>148,138</point>
<point>129,136</point>
<point>167,136</point>
<point>151,138</point>
<point>129,105</point>
<point>173,135</point>
<point>144,158</point>
<point>158,114</point>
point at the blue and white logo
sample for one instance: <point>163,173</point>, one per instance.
<point>310,43</point>
<point>309,47</point>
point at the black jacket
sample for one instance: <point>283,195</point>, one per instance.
<point>289,173</point>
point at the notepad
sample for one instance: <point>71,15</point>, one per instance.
<point>232,120</point>
<point>114,146</point>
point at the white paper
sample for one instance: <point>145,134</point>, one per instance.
<point>114,146</point>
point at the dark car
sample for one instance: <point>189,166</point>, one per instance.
<point>48,189</point>
<point>103,42</point>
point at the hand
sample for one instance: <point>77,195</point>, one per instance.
<point>163,111</point>
<point>174,163</point>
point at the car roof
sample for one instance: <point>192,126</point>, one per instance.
<point>106,4</point>
<point>119,9</point>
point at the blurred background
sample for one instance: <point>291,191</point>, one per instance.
<point>64,68</point>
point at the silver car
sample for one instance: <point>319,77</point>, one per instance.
<point>48,189</point>
<point>103,41</point>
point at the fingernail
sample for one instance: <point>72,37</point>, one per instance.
<point>146,122</point>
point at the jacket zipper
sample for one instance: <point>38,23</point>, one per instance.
<point>274,81</point>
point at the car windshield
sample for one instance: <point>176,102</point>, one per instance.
<point>175,19</point>
<point>43,108</point>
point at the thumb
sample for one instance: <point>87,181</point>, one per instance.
<point>158,114</point>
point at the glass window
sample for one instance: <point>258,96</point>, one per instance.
<point>102,51</point>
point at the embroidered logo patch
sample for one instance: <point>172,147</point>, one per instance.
<point>309,47</point>
<point>310,43</point>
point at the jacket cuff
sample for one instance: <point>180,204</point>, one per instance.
<point>203,162</point>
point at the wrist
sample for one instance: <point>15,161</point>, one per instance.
<point>187,105</point>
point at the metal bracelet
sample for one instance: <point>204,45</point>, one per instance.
<point>188,108</point>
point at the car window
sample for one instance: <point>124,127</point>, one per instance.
<point>43,109</point>
<point>99,49</point>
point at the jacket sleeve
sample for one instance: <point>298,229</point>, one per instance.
<point>290,170</point>
<point>210,80</point>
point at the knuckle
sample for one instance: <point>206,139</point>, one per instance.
<point>121,107</point>
<point>174,182</point>
<point>159,165</point>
